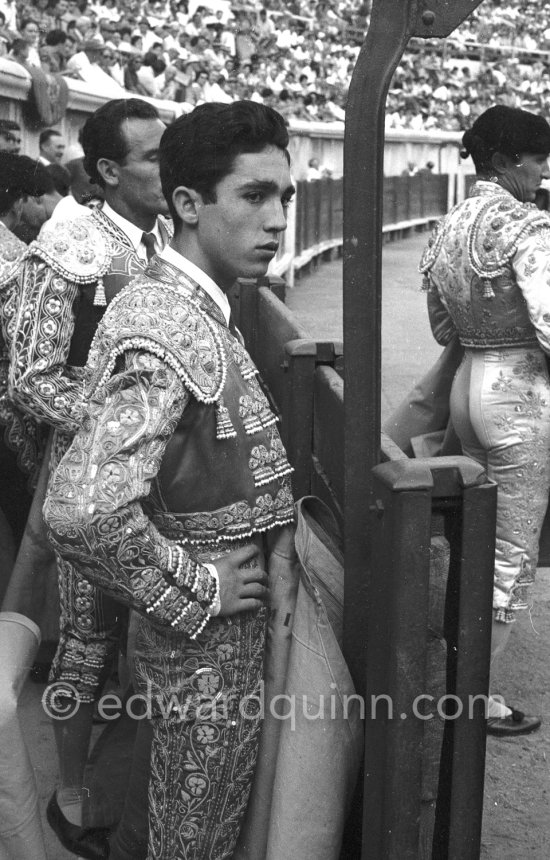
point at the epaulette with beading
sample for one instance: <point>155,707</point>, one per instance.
<point>495,225</point>
<point>165,320</point>
<point>77,250</point>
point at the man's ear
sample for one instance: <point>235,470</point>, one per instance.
<point>109,171</point>
<point>501,162</point>
<point>187,203</point>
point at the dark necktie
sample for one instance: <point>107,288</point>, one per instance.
<point>148,240</point>
<point>231,326</point>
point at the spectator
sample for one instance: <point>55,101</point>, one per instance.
<point>313,170</point>
<point>111,65</point>
<point>132,82</point>
<point>150,68</point>
<point>167,85</point>
<point>31,35</point>
<point>60,50</point>
<point>199,91</point>
<point>433,86</point>
<point>8,10</point>
<point>51,146</point>
<point>86,65</point>
<point>109,11</point>
<point>428,168</point>
<point>42,14</point>
<point>20,52</point>
<point>266,32</point>
<point>194,25</point>
<point>220,90</point>
<point>61,15</point>
<point>410,170</point>
<point>10,136</point>
<point>146,35</point>
<point>245,41</point>
<point>228,45</point>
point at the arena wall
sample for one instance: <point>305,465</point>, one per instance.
<point>308,139</point>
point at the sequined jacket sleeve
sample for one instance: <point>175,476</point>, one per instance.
<point>21,433</point>
<point>93,508</point>
<point>39,380</point>
<point>531,264</point>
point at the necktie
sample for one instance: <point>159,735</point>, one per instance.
<point>148,240</point>
<point>231,326</point>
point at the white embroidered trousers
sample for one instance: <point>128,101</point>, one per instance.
<point>500,408</point>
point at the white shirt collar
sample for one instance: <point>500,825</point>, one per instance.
<point>130,230</point>
<point>201,278</point>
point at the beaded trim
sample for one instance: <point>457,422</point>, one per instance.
<point>188,573</point>
<point>77,250</point>
<point>191,618</point>
<point>205,377</point>
<point>489,250</point>
<point>224,425</point>
<point>198,537</point>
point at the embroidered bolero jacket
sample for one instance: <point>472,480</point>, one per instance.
<point>178,449</point>
<point>487,270</point>
<point>21,433</point>
<point>70,274</point>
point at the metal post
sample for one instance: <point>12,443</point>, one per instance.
<point>391,26</point>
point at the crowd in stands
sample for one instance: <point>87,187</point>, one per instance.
<point>297,56</point>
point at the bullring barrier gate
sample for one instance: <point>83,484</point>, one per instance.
<point>419,534</point>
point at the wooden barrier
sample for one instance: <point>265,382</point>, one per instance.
<point>432,528</point>
<point>409,202</point>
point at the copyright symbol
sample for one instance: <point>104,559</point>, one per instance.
<point>60,700</point>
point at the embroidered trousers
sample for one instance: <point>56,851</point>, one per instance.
<point>204,697</point>
<point>500,407</point>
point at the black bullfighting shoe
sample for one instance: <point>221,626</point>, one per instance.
<point>89,842</point>
<point>516,723</point>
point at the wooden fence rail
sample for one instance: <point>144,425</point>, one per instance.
<point>432,527</point>
<point>409,201</point>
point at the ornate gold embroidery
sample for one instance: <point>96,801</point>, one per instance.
<point>152,317</point>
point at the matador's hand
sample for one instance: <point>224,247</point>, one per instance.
<point>241,588</point>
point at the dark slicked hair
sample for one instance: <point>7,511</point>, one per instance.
<point>510,131</point>
<point>199,149</point>
<point>102,135</point>
<point>20,176</point>
<point>46,135</point>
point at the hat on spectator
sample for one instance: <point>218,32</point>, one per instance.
<point>92,45</point>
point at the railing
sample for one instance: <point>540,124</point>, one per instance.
<point>462,48</point>
<point>431,527</point>
<point>316,223</point>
